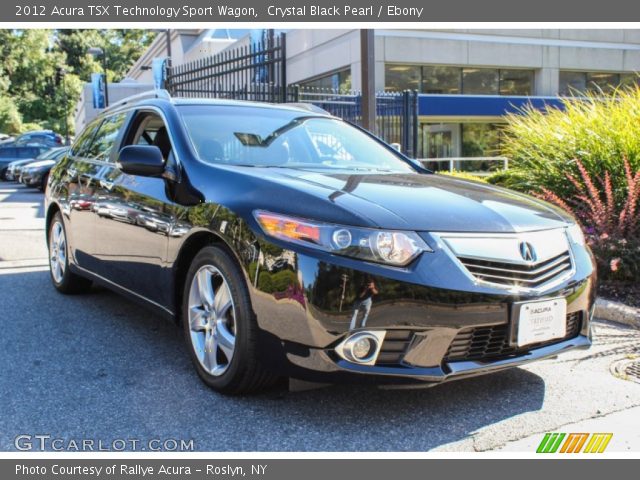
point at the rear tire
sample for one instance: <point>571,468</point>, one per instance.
<point>219,325</point>
<point>62,278</point>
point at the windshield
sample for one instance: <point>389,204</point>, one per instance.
<point>264,137</point>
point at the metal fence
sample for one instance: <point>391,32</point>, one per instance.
<point>257,72</point>
<point>396,113</point>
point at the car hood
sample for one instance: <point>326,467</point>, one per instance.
<point>18,163</point>
<point>421,202</point>
<point>41,164</point>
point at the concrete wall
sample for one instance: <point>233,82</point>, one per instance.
<point>314,52</point>
<point>117,91</point>
<point>547,51</point>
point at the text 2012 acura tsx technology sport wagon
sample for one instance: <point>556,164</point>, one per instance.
<point>289,243</point>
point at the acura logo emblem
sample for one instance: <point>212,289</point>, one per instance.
<point>527,252</point>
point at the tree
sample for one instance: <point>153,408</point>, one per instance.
<point>29,90</point>
<point>10,119</point>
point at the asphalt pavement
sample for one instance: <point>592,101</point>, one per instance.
<point>99,367</point>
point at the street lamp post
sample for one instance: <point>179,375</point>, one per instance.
<point>99,52</point>
<point>60,81</point>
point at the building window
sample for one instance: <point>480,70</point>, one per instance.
<point>480,140</point>
<point>447,80</point>
<point>440,79</point>
<point>340,80</point>
<point>630,80</point>
<point>402,77</point>
<point>516,82</point>
<point>480,81</point>
<point>572,83</point>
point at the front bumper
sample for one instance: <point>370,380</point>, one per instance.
<point>305,306</point>
<point>31,179</point>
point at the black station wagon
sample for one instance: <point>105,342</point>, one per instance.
<point>289,243</point>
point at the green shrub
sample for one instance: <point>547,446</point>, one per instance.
<point>29,127</point>
<point>585,159</point>
<point>600,130</point>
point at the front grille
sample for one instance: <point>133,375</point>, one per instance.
<point>394,347</point>
<point>480,343</point>
<point>531,276</point>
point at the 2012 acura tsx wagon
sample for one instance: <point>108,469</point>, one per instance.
<point>287,242</point>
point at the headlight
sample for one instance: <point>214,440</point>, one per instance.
<point>575,234</point>
<point>382,246</point>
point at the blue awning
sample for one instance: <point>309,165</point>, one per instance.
<point>434,105</point>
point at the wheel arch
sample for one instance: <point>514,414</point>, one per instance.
<point>51,211</point>
<point>188,250</point>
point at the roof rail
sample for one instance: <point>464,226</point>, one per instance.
<point>158,93</point>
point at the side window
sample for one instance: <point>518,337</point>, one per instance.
<point>81,145</point>
<point>149,129</point>
<point>102,144</point>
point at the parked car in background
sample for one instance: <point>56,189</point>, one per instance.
<point>15,167</point>
<point>289,242</point>
<point>48,138</point>
<point>12,153</point>
<point>4,138</point>
<point>36,173</point>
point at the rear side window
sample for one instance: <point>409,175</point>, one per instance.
<point>103,141</point>
<point>82,144</point>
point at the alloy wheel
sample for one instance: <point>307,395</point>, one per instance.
<point>212,320</point>
<point>57,252</point>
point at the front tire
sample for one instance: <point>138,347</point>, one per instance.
<point>219,325</point>
<point>63,279</point>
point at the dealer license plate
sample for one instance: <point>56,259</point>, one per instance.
<point>542,321</point>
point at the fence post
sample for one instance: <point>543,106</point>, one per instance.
<point>168,78</point>
<point>406,116</point>
<point>283,66</point>
<point>414,123</point>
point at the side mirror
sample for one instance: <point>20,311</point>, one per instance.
<point>144,160</point>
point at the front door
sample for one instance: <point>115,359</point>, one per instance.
<point>134,218</point>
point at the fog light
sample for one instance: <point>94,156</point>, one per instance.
<point>362,347</point>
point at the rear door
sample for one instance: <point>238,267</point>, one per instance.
<point>81,180</point>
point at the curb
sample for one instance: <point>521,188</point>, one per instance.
<point>617,312</point>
